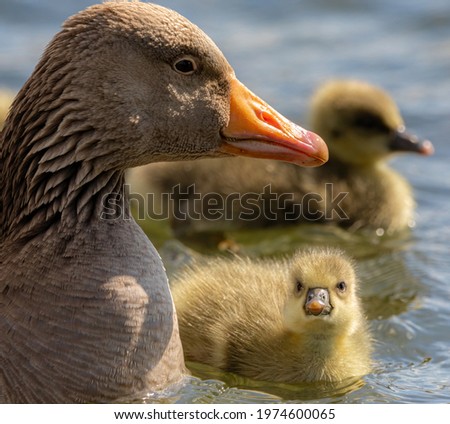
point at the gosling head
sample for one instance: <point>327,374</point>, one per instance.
<point>361,123</point>
<point>323,294</point>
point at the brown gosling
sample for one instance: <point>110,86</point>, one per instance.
<point>290,320</point>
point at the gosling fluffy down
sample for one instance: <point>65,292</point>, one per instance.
<point>291,320</point>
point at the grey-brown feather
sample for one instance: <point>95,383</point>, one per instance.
<point>86,311</point>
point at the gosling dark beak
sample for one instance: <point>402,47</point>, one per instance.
<point>318,302</point>
<point>403,141</point>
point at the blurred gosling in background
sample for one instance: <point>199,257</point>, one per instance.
<point>6,98</point>
<point>362,127</point>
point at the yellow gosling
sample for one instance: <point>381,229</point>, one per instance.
<point>291,320</point>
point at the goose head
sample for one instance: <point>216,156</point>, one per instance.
<point>121,85</point>
<point>361,123</point>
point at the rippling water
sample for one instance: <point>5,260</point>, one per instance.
<point>282,50</point>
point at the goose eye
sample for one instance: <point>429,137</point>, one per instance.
<point>185,66</point>
<point>298,286</point>
<point>341,286</point>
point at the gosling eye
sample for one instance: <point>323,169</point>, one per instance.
<point>298,287</point>
<point>341,286</point>
<point>369,122</point>
<point>185,65</point>
<point>336,133</point>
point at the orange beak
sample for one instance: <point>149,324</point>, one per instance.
<point>257,130</point>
